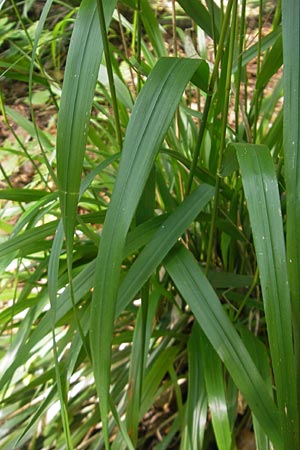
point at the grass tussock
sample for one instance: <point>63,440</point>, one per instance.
<point>149,198</point>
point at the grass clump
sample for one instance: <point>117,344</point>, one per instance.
<point>149,268</point>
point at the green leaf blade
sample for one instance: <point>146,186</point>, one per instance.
<point>261,190</point>
<point>76,102</point>
<point>161,243</point>
<point>197,396</point>
<point>215,388</point>
<point>148,125</point>
<point>291,136</point>
<point>198,293</point>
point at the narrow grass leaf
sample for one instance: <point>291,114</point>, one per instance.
<point>155,375</point>
<point>28,238</point>
<point>261,191</point>
<point>204,303</point>
<point>147,127</point>
<point>201,173</point>
<point>35,212</point>
<point>140,341</point>
<point>153,29</point>
<point>260,356</point>
<point>271,64</point>
<point>40,136</point>
<point>138,361</point>
<point>266,42</point>
<point>196,10</point>
<point>82,284</point>
<point>167,440</point>
<point>22,194</point>
<point>34,418</point>
<point>28,126</point>
<point>122,428</point>
<point>196,407</point>
<point>53,288</point>
<point>215,388</point>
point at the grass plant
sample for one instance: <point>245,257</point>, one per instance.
<point>150,263</point>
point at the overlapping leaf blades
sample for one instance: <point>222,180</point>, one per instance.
<point>148,125</point>
<point>196,290</point>
<point>166,351</point>
<point>261,189</point>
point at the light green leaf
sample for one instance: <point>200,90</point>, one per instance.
<point>215,388</point>
<point>28,126</point>
<point>27,239</point>
<point>196,408</point>
<point>23,195</point>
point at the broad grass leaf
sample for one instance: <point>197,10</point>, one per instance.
<point>147,127</point>
<point>291,138</point>
<point>262,195</point>
<point>204,303</point>
<point>80,79</point>
<point>201,76</point>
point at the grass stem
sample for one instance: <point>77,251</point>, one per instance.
<point>223,138</point>
<point>209,96</point>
